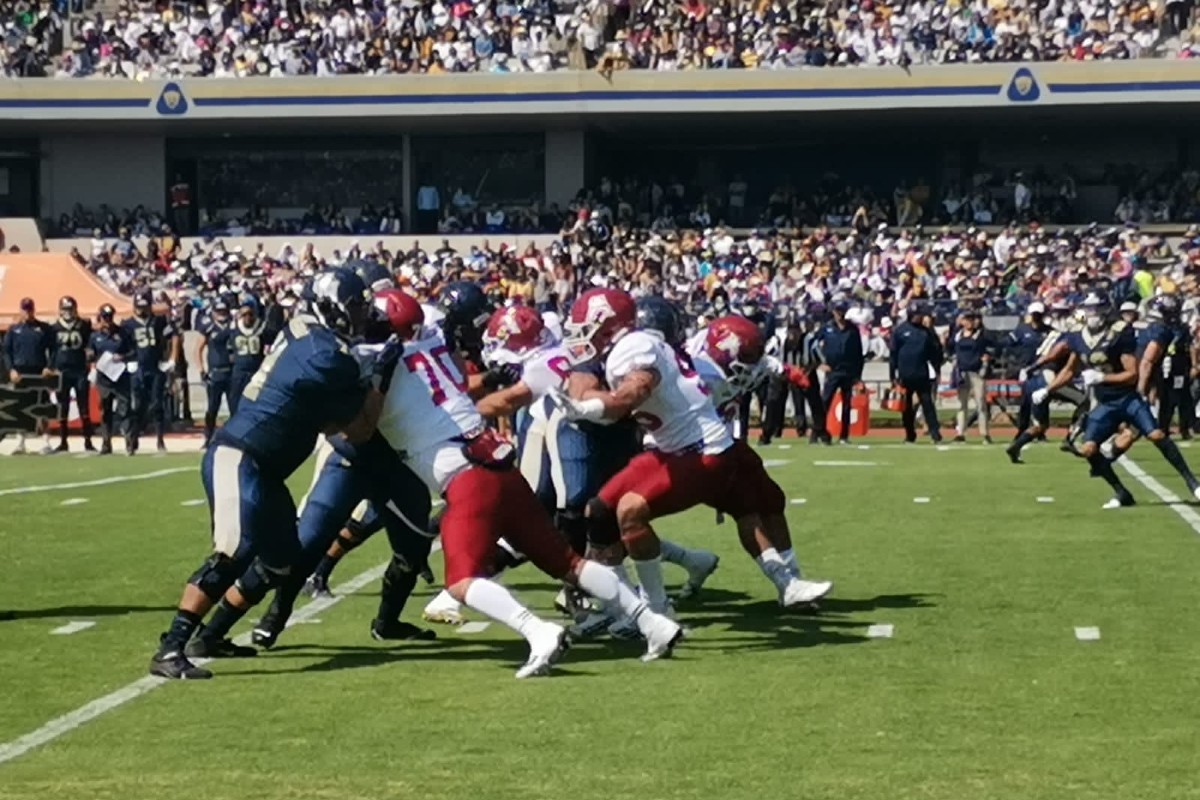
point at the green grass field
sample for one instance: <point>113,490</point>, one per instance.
<point>983,691</point>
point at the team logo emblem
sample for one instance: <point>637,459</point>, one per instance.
<point>171,101</point>
<point>1023,88</point>
<point>730,345</point>
<point>599,309</point>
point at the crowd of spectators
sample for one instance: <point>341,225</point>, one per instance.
<point>159,39</point>
<point>705,270</point>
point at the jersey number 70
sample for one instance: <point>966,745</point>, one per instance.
<point>429,368</point>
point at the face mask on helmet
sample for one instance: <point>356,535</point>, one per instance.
<point>577,339</point>
<point>1093,320</point>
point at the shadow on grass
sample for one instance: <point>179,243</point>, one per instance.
<point>80,611</point>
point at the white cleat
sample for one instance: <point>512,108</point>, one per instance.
<point>443,609</point>
<point>698,573</point>
<point>545,651</point>
<point>799,592</point>
<point>662,634</point>
<point>1111,504</point>
<point>1196,493</point>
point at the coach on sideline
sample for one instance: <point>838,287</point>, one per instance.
<point>916,357</point>
<point>27,350</point>
<point>842,351</point>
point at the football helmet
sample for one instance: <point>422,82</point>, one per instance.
<point>1095,310</point>
<point>373,274</point>
<point>517,329</point>
<point>1166,307</point>
<point>598,318</point>
<point>656,314</point>
<point>735,344</point>
<point>339,299</point>
<point>68,309</point>
<point>403,313</point>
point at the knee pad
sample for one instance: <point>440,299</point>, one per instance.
<point>573,525</point>
<point>216,575</point>
<point>602,529</point>
<point>255,582</point>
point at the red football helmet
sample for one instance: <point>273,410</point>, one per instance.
<point>518,329</point>
<point>735,345</point>
<point>404,314</point>
<point>597,318</point>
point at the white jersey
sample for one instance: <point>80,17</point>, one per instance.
<point>427,412</point>
<point>679,413</point>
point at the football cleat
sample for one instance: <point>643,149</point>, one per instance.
<point>267,630</point>
<point>698,573</point>
<point>316,587</point>
<point>62,448</point>
<point>662,634</point>
<point>1120,501</point>
<point>1196,492</point>
<point>202,646</point>
<point>592,624</point>
<point>161,446</point>
<point>802,592</point>
<point>624,629</point>
<point>175,666</point>
<point>1014,454</point>
<point>443,609</point>
<point>396,631</point>
<point>544,651</point>
<point>570,601</point>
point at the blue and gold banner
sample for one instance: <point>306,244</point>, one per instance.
<point>588,93</point>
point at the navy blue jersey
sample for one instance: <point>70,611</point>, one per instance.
<point>115,342</point>
<point>249,346</point>
<point>1024,342</point>
<point>149,337</point>
<point>1103,351</point>
<point>310,382</point>
<point>1179,350</point>
<point>70,344</point>
<point>218,338</point>
<point>1151,332</point>
<point>27,346</point>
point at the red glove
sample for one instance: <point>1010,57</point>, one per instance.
<point>796,376</point>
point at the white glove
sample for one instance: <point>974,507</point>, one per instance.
<point>1091,377</point>
<point>166,366</point>
<point>772,365</point>
<point>1040,396</point>
<point>590,410</point>
<point>1023,375</point>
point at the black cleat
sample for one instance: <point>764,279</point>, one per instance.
<point>399,631</point>
<point>162,446</point>
<point>1014,454</point>
<point>106,449</point>
<point>202,646</point>
<point>175,666</point>
<point>266,630</point>
<point>427,575</point>
<point>88,447</point>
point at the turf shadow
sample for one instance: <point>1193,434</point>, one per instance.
<point>79,611</point>
<point>846,605</point>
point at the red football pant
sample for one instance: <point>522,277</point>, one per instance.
<point>484,505</point>
<point>734,482</point>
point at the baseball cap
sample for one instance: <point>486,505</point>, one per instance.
<point>1036,308</point>
<point>220,305</point>
<point>27,304</point>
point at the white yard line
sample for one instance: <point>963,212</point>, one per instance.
<point>52,487</point>
<point>1185,511</point>
<point>1087,634</point>
<point>86,713</point>
<point>72,627</point>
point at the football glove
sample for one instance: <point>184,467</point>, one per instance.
<point>591,410</point>
<point>1092,376</point>
<point>500,376</point>
<point>1040,396</point>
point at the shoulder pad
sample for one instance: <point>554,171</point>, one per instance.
<point>1119,326</point>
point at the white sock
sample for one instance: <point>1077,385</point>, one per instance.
<point>650,575</point>
<point>603,584</point>
<point>789,560</point>
<point>623,575</point>
<point>773,567</point>
<point>490,598</point>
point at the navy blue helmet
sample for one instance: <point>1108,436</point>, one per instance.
<point>1167,307</point>
<point>656,314</point>
<point>373,274</point>
<point>340,300</point>
<point>467,311</point>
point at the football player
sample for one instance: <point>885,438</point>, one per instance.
<point>1103,355</point>
<point>215,354</point>
<point>251,339</point>
<point>690,458</point>
<point>310,384</point>
<point>1049,357</point>
<point>156,344</point>
<point>730,360</point>
<point>428,415</point>
<point>68,353</point>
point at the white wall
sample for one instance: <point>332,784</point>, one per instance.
<point>564,165</point>
<point>120,171</point>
